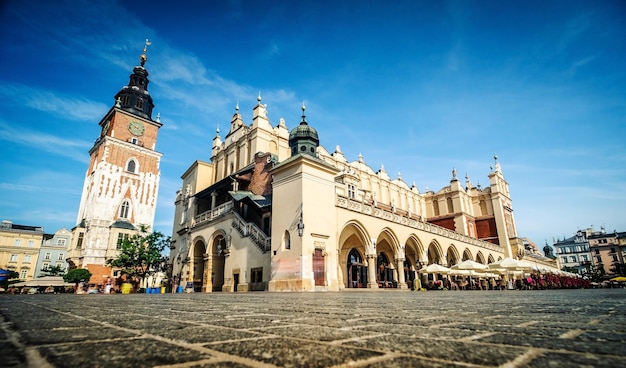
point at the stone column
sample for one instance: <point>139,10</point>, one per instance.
<point>207,285</point>
<point>213,200</point>
<point>340,280</point>
<point>371,271</point>
<point>400,268</point>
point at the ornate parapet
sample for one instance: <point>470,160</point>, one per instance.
<point>371,210</point>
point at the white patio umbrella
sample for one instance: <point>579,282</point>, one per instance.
<point>44,281</point>
<point>435,268</point>
<point>469,265</point>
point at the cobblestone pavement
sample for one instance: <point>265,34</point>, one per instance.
<point>557,328</point>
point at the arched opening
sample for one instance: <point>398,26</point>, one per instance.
<point>412,263</point>
<point>384,271</point>
<point>452,256</point>
<point>467,255</point>
<point>353,240</point>
<point>357,270</point>
<point>218,258</point>
<point>198,265</point>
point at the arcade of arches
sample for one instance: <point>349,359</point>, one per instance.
<point>384,261</point>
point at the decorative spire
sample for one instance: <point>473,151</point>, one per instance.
<point>360,157</point>
<point>118,102</point>
<point>217,130</point>
<point>158,117</point>
<point>237,106</point>
<point>259,98</point>
<point>303,115</point>
<point>143,58</point>
<point>454,177</point>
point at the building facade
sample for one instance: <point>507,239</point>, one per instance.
<point>574,252</point>
<point>122,181</point>
<point>606,250</point>
<point>273,210</point>
<point>53,252</point>
<point>19,248</point>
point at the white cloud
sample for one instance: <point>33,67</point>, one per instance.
<point>68,107</point>
<point>73,149</point>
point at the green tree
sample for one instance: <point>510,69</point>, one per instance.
<point>53,271</point>
<point>77,275</point>
<point>140,254</point>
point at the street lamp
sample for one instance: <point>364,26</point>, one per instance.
<point>300,226</point>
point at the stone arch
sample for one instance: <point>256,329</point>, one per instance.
<point>353,239</point>
<point>390,237</point>
<point>413,253</point>
<point>467,255</point>
<point>414,250</point>
<point>387,251</point>
<point>480,258</point>
<point>197,263</point>
<point>452,255</point>
<point>219,250</point>
<point>434,253</point>
<point>490,259</point>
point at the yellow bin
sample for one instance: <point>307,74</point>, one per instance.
<point>126,287</point>
<point>162,289</point>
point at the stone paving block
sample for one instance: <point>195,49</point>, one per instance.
<point>489,327</point>
<point>11,355</point>
<point>285,352</point>
<point>195,335</point>
<point>219,364</point>
<point>132,353</point>
<point>421,332</point>
<point>73,334</point>
<point>568,360</point>
<point>317,333</point>
<point>403,362</point>
<point>593,347</point>
<point>441,349</point>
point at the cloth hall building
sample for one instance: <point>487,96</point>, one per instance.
<point>273,210</point>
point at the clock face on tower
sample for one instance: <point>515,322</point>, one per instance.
<point>136,127</point>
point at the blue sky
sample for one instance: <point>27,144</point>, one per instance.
<point>420,87</point>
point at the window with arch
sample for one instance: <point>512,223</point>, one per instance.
<point>435,207</point>
<point>131,166</point>
<point>139,103</point>
<point>483,207</point>
<point>125,209</point>
<point>287,240</point>
<point>450,205</point>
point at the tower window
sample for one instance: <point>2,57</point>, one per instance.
<point>131,166</point>
<point>287,240</point>
<point>125,100</point>
<point>139,103</point>
<point>124,209</point>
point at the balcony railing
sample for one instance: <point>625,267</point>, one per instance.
<point>249,229</point>
<point>209,215</point>
<point>370,210</point>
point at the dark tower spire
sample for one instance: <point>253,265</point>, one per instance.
<point>134,97</point>
<point>303,138</point>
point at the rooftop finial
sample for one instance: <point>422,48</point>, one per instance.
<point>237,108</point>
<point>259,97</point>
<point>158,117</point>
<point>143,58</point>
<point>303,115</point>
